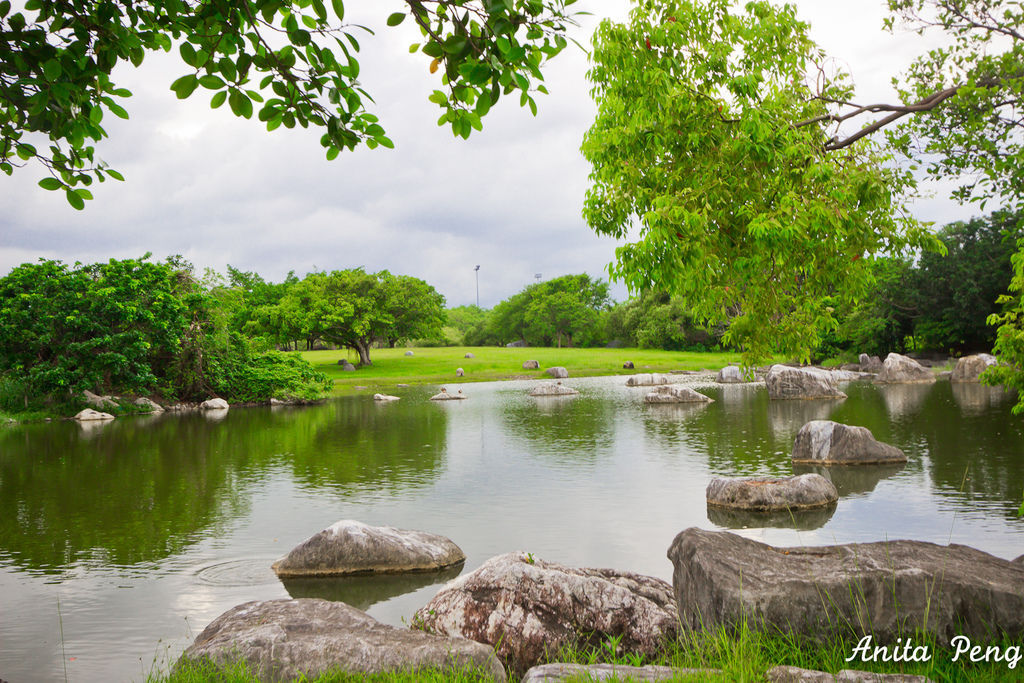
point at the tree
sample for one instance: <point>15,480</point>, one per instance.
<point>547,313</point>
<point>290,62</point>
<point>656,320</point>
<point>746,216</point>
<point>416,308</point>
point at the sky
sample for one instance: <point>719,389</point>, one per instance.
<point>220,190</point>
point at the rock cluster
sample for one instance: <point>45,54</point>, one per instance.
<point>553,389</point>
<point>899,369</point>
<point>443,395</point>
<point>647,379</point>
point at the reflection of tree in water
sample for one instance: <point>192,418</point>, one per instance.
<point>904,401</point>
<point>803,520</point>
<point>576,430</point>
<point>851,479</point>
<point>974,399</point>
<point>980,455</point>
<point>364,591</point>
<point>788,416</point>
<point>364,445</point>
<point>139,490</point>
<point>735,432</point>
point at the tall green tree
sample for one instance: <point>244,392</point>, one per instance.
<point>288,62</point>
<point>741,213</point>
<point>416,308</point>
<point>565,309</point>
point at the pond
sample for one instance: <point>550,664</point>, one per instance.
<point>119,542</point>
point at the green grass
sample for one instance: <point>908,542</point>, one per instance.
<point>741,655</point>
<point>437,365</point>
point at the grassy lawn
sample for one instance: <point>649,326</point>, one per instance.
<point>437,365</point>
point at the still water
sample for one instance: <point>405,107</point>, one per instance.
<point>120,542</point>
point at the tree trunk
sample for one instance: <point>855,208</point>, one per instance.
<point>364,352</point>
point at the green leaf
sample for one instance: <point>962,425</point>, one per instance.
<point>51,69</point>
<point>188,54</point>
<point>185,86</point>
<point>218,99</point>
<point>211,82</point>
<point>240,104</point>
<point>396,19</point>
<point>339,9</point>
<point>114,174</point>
<point>74,199</point>
<point>50,184</point>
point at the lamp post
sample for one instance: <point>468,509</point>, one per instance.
<point>477,269</point>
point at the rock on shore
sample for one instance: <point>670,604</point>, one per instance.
<point>886,589</point>
<point>526,608</point>
<point>281,640</point>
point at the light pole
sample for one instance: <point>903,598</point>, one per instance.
<point>477,269</point>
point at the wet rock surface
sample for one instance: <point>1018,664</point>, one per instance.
<point>350,547</point>
<point>90,415</point>
<point>602,672</point>
<point>789,383</point>
<point>528,608</point>
<point>768,494</point>
<point>885,589</point>
<point>647,379</point>
<point>793,674</point>
<point>676,394</point>
<point>283,639</point>
<point>824,442</point>
<point>899,369</point>
<point>969,368</point>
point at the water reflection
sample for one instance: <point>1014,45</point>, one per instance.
<point>802,520</point>
<point>974,399</point>
<point>135,491</point>
<point>579,429</point>
<point>851,479</point>
<point>904,401</point>
<point>787,417</point>
<point>363,591</point>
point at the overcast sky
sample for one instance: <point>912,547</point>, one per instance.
<point>221,190</point>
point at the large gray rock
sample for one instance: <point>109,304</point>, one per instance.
<point>676,394</point>
<point>531,365</point>
<point>99,402</point>
<point>823,442</point>
<point>870,363</point>
<point>385,397</point>
<point>603,672</point>
<point>793,674</point>
<point>730,374</point>
<point>214,404</point>
<point>899,369</point>
<point>528,608</point>
<point>351,547</point>
<point>347,367</point>
<point>647,379</point>
<point>553,389</point>
<point>772,493</point>
<point>969,368</point>
<point>885,589</point>
<point>90,415</point>
<point>281,640</point>
<point>152,405</point>
<point>557,372</point>
<point>785,382</point>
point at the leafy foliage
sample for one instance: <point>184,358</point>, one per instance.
<point>288,62</point>
<point>131,326</point>
<point>656,320</point>
<point>742,213</point>
<point>1009,346</point>
<point>561,310</point>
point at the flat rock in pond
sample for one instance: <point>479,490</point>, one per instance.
<point>527,608</point>
<point>281,640</point>
<point>793,674</point>
<point>785,382</point>
<point>730,374</point>
<point>969,368</point>
<point>603,672</point>
<point>557,372</point>
<point>648,379</point>
<point>823,442</point>
<point>385,397</point>
<point>886,589</point>
<point>350,547</point>
<point>676,394</point>
<point>553,389</point>
<point>444,395</point>
<point>799,492</point>
<point>899,369</point>
<point>90,415</point>
<point>214,404</point>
